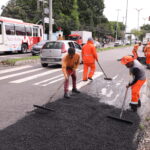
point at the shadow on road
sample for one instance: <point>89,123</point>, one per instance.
<point>79,123</point>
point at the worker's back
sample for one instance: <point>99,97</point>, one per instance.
<point>89,53</point>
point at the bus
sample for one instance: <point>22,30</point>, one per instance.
<point>18,36</point>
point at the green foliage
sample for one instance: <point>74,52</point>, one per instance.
<point>137,33</point>
<point>69,15</point>
<point>144,29</point>
<point>120,29</point>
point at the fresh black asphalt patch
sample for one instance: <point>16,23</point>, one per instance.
<point>79,123</point>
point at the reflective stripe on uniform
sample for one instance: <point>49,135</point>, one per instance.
<point>134,102</point>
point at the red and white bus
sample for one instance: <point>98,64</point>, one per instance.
<point>16,35</point>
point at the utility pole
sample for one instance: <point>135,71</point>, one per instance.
<point>117,25</point>
<point>50,20</point>
<point>145,20</point>
<point>126,17</point>
<point>43,16</point>
<point>138,10</point>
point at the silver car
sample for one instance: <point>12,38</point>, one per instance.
<point>37,47</point>
<point>53,51</point>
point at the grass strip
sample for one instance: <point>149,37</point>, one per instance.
<point>110,48</point>
<point>12,62</point>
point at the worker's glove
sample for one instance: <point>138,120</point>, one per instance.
<point>127,86</point>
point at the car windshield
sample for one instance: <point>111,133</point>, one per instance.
<point>74,38</point>
<point>53,45</point>
<point>41,43</point>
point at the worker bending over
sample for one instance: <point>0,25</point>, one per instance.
<point>147,54</point>
<point>135,49</point>
<point>70,63</point>
<point>139,78</point>
<point>89,56</point>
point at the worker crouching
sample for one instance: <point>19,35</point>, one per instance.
<point>139,78</point>
<point>70,63</point>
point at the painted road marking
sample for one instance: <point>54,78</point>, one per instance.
<point>18,74</point>
<point>54,81</point>
<point>44,81</point>
<point>14,69</point>
<point>38,83</point>
<point>35,76</point>
<point>83,83</point>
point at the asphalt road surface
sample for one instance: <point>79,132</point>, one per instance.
<point>79,123</point>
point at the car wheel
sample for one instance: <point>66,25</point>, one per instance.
<point>44,65</point>
<point>33,54</point>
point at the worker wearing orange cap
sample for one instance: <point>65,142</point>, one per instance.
<point>147,54</point>
<point>139,78</point>
<point>89,56</point>
<point>70,63</point>
<point>135,49</point>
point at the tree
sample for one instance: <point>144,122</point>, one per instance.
<point>68,14</point>
<point>137,33</point>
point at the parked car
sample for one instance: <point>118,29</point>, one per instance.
<point>53,51</point>
<point>97,44</point>
<point>37,47</point>
<point>127,42</point>
<point>118,43</point>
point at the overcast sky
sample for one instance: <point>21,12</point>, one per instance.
<point>111,7</point>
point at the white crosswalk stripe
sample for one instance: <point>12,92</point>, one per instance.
<point>14,69</point>
<point>83,83</point>
<point>18,74</point>
<point>34,76</point>
<point>38,83</point>
<point>54,81</point>
<point>49,81</point>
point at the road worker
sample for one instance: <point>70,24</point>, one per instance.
<point>60,37</point>
<point>147,54</point>
<point>139,78</point>
<point>89,56</point>
<point>70,63</point>
<point>135,49</point>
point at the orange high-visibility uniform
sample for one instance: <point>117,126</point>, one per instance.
<point>70,63</point>
<point>134,51</point>
<point>135,89</point>
<point>69,66</point>
<point>89,56</point>
<point>139,78</point>
<point>147,53</point>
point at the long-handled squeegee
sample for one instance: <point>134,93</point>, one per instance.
<point>106,78</point>
<point>45,108</point>
<point>122,109</point>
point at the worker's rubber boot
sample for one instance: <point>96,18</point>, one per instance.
<point>134,107</point>
<point>139,103</point>
<point>90,78</point>
<point>66,95</point>
<point>74,90</point>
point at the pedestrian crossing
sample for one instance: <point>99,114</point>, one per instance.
<point>34,76</point>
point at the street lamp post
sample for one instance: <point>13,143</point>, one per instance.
<point>138,10</point>
<point>126,17</point>
<point>117,25</point>
<point>50,20</point>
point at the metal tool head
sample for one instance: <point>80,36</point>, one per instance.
<point>120,119</point>
<point>43,108</point>
<point>108,79</point>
